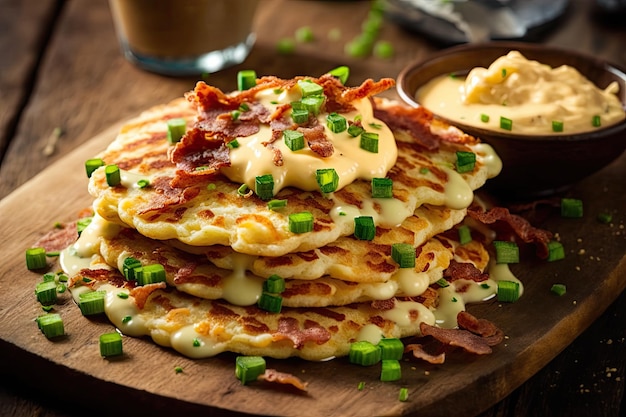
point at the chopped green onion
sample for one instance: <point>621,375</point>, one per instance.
<point>91,303</point>
<point>383,50</point>
<point>506,124</point>
<point>559,289</point>
<point>309,88</point>
<point>176,130</point>
<point>442,282</point>
<point>243,190</point>
<point>465,234</point>
<point>61,288</point>
<point>82,224</point>
<point>391,348</point>
<point>264,186</point>
<point>361,386</point>
<point>503,72</point>
<point>508,291</point>
<point>128,268</point>
<point>294,139</point>
<point>391,370</point>
<point>63,277</point>
<point>246,79</point>
<point>274,284</point>
<point>249,368</point>
<point>300,116</point>
<point>364,228</point>
<point>196,342</point>
<point>304,34</point>
<point>369,141</point>
<point>341,73</point>
<point>506,252</point>
<point>485,286</point>
<point>556,251</point>
<point>46,292</point>
<point>327,179</point>
<point>382,187</point>
<point>49,276</point>
<point>313,104</point>
<point>336,122</point>
<point>270,302</point>
<point>51,325</point>
<point>355,130</point>
<point>376,125</point>
<point>424,170</point>
<point>143,183</point>
<point>596,121</point>
<point>150,274</point>
<point>403,394</point>
<point>178,369</point>
<point>276,204</point>
<point>403,254</point>
<point>123,295</point>
<point>571,208</point>
<point>465,161</point>
<point>111,344</point>
<point>234,115</point>
<point>605,218</point>
<point>211,186</point>
<point>233,144</point>
<point>244,107</point>
<point>484,118</point>
<point>557,126</point>
<point>301,222</point>
<point>113,175</point>
<point>35,258</point>
<point>126,319</point>
<point>92,164</point>
<point>364,353</point>
<point>285,46</point>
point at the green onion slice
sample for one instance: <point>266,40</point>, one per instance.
<point>264,186</point>
<point>46,292</point>
<point>506,123</point>
<point>556,251</point>
<point>391,348</point>
<point>150,274</point>
<point>300,116</point>
<point>364,228</point>
<point>508,291</point>
<point>128,268</point>
<point>403,395</point>
<point>294,139</point>
<point>571,208</point>
<point>301,222</point>
<point>91,303</point>
<point>113,175</point>
<point>506,252</point>
<point>382,187</point>
<point>342,73</point>
<point>246,79</point>
<point>276,204</point>
<point>35,258</point>
<point>111,344</point>
<point>51,325</point>
<point>596,121</point>
<point>274,284</point>
<point>336,123</point>
<point>176,129</point>
<point>403,254</point>
<point>369,142</point>
<point>327,179</point>
<point>313,104</point>
<point>558,289</point>
<point>270,302</point>
<point>390,370</point>
<point>355,130</point>
<point>465,161</point>
<point>249,368</point>
<point>92,164</point>
<point>557,126</point>
<point>364,353</point>
<point>309,88</point>
<point>465,234</point>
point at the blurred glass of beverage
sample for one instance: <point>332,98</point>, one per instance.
<point>184,37</point>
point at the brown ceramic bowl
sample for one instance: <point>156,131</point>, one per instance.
<point>533,166</point>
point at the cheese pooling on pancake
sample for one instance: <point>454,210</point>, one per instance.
<point>202,207</point>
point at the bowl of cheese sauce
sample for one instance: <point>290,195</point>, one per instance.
<point>553,115</point>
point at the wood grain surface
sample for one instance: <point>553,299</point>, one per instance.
<point>61,68</point>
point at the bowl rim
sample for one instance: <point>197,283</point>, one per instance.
<point>606,65</point>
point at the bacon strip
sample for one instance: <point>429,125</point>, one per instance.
<point>457,337</point>
<point>420,352</point>
<point>490,333</point>
<point>463,270</point>
<point>520,226</point>
<point>288,328</point>
<point>317,140</point>
<point>272,375</point>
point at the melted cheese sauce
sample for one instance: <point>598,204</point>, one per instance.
<point>252,158</point>
<point>529,93</point>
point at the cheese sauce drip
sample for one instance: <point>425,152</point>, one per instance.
<point>252,158</point>
<point>532,95</point>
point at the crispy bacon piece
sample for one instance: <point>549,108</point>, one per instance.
<point>272,375</point>
<point>317,140</point>
<point>288,328</point>
<point>457,337</point>
<point>59,238</point>
<point>464,270</point>
<point>519,225</point>
<point>490,333</point>
<point>419,352</point>
<point>197,150</point>
<point>415,121</point>
<point>168,194</point>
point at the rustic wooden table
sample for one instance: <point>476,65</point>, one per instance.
<point>60,66</point>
